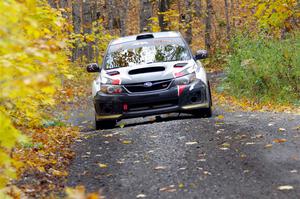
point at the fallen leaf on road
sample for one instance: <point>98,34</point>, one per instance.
<point>285,187</point>
<point>225,145</point>
<point>126,141</point>
<point>268,145</point>
<point>206,173</point>
<point>108,135</point>
<point>243,156</point>
<point>281,129</point>
<point>102,165</point>
<point>141,196</point>
<point>168,189</point>
<point>224,148</point>
<point>163,189</point>
<point>279,140</point>
<point>296,128</point>
<point>191,143</point>
<point>122,125</point>
<point>160,168</point>
<point>295,157</point>
<point>220,117</point>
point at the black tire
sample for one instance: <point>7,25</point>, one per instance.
<point>105,124</point>
<point>205,112</point>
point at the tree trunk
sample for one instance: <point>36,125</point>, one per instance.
<point>208,19</point>
<point>111,13</point>
<point>145,15</point>
<point>123,16</point>
<point>95,10</point>
<point>76,15</point>
<point>227,20</point>
<point>198,7</point>
<point>188,21</point>
<point>163,6</point>
<point>87,27</point>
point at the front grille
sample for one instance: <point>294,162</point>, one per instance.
<point>152,105</point>
<point>156,85</point>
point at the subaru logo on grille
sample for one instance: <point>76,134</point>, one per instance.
<point>148,84</point>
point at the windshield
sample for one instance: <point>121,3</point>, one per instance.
<point>146,52</point>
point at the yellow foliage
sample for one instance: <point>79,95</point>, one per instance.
<point>171,17</point>
<point>33,55</point>
<point>272,15</point>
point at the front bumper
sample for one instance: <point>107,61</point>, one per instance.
<point>174,99</point>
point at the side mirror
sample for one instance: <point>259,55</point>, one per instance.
<point>201,54</point>
<point>92,68</point>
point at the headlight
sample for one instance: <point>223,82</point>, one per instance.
<point>111,89</point>
<point>185,80</point>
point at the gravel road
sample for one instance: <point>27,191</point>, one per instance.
<point>230,155</point>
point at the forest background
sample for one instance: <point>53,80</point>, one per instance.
<point>45,44</point>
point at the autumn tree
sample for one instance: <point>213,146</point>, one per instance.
<point>33,59</point>
<point>163,6</point>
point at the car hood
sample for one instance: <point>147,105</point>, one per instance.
<point>146,72</point>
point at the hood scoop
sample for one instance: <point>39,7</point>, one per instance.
<point>146,70</point>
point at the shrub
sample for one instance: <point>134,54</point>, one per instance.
<point>265,69</point>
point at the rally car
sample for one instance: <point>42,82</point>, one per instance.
<point>149,74</point>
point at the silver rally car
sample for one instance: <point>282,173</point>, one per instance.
<point>149,74</point>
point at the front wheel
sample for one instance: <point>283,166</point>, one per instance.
<point>105,124</point>
<point>205,112</point>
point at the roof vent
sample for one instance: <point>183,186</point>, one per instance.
<point>145,36</point>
